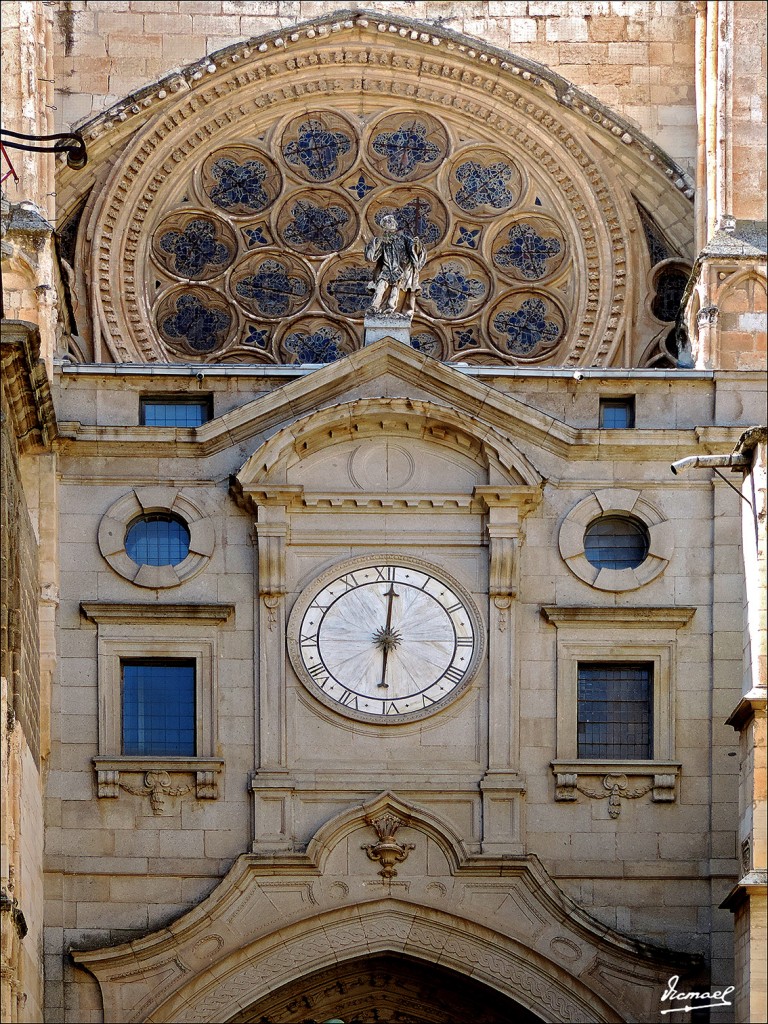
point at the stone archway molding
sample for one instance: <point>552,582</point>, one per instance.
<point>390,926</point>
<point>275,919</point>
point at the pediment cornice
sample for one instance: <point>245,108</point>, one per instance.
<point>393,364</point>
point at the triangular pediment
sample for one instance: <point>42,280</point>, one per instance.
<point>385,387</point>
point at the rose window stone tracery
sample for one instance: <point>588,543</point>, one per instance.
<point>241,181</point>
<point>524,326</point>
<point>272,286</point>
<point>404,147</point>
<point>319,146</point>
<point>529,252</point>
<point>258,255</point>
<point>194,322</point>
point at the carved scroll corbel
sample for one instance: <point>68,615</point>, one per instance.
<point>271,546</point>
<point>615,787</point>
<point>387,851</point>
<point>157,786</point>
<point>502,563</point>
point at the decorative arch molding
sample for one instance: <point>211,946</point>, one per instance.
<point>390,926</point>
<point>385,417</point>
<point>755,275</point>
<point>353,68</point>
<point>268,924</point>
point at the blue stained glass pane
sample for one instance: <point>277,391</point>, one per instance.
<point>173,414</point>
<point>615,543</point>
<point>617,414</point>
<point>159,708</point>
<point>157,540</point>
<point>615,711</point>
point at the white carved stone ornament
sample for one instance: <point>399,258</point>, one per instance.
<point>388,851</point>
<point>615,787</point>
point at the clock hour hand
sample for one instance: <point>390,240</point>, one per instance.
<point>387,639</point>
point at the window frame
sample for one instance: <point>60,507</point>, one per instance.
<point>131,632</point>
<point>628,651</point>
<point>629,636</point>
<point>113,651</point>
<point>619,501</point>
<point>580,703</point>
<point>614,401</point>
<point>116,522</point>
<point>157,663</point>
<point>205,400</point>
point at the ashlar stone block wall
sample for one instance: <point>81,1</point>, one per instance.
<point>636,57</point>
<point>116,869</point>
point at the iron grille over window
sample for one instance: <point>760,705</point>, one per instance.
<point>615,542</point>
<point>617,413</point>
<point>174,411</point>
<point>159,708</point>
<point>615,711</point>
<point>157,539</point>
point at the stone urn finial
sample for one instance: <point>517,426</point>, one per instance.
<point>387,851</point>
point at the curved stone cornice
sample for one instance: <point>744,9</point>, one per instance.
<point>357,72</point>
<point>275,919</point>
<point>383,417</point>
<point>358,63</point>
<point>105,131</point>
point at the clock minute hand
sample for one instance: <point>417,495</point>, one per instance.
<point>387,638</point>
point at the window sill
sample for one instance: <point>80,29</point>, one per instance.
<point>159,782</point>
<point>616,781</point>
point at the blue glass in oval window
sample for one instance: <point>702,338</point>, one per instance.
<point>261,256</point>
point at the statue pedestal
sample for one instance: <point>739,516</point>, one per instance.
<point>388,324</point>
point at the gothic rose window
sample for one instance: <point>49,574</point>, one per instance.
<point>317,149</point>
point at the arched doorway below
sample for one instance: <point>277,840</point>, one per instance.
<point>385,989</point>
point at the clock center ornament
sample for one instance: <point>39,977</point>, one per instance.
<point>385,640</point>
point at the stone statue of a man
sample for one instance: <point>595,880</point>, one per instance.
<point>398,257</point>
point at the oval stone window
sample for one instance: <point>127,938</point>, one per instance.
<point>157,539</point>
<point>616,542</point>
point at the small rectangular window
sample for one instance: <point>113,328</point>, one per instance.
<point>615,711</point>
<point>159,708</point>
<point>174,411</point>
<point>617,413</point>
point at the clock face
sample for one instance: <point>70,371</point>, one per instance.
<point>385,641</point>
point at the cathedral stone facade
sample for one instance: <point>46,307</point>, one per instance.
<point>384,664</point>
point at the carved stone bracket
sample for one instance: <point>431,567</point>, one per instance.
<point>388,851</point>
<point>707,317</point>
<point>616,786</point>
<point>157,782</point>
<point>25,385</point>
<point>506,506</point>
